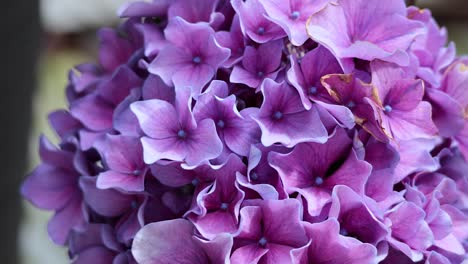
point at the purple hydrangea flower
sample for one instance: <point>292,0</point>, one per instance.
<point>268,233</point>
<point>220,202</point>
<point>192,56</point>
<point>254,23</point>
<point>262,131</point>
<point>127,171</point>
<point>283,119</point>
<point>365,30</point>
<point>54,186</point>
<point>404,115</point>
<point>234,40</point>
<point>236,129</point>
<point>173,132</point>
<point>322,167</point>
<point>292,16</point>
<point>258,64</point>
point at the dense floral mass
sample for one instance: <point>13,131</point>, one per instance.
<point>262,131</point>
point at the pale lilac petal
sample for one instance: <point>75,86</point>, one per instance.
<point>112,179</point>
<point>160,242</point>
<point>204,144</point>
<point>413,124</point>
<point>168,148</point>
<point>156,118</point>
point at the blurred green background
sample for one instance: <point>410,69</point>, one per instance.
<point>69,39</point>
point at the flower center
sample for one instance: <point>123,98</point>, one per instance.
<point>196,60</point>
<point>343,232</point>
<point>254,176</point>
<point>277,115</point>
<point>182,134</point>
<point>295,15</point>
<point>260,74</point>
<point>263,241</point>
<point>134,204</point>
<point>313,90</point>
<point>388,108</point>
<point>195,182</point>
<point>220,124</point>
<point>318,181</point>
<point>351,104</point>
<point>261,31</point>
<point>136,172</point>
<point>224,206</point>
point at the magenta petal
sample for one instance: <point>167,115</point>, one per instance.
<point>155,88</point>
<point>192,57</point>
<point>157,149</point>
<point>240,75</point>
<point>234,40</point>
<point>315,160</point>
<point>282,221</point>
<point>193,76</point>
<point>266,191</point>
<point>306,75</point>
<point>172,174</point>
<point>123,154</point>
<point>283,120</point>
<point>292,16</point>
<point>353,173</point>
<point>254,23</point>
<point>248,254</point>
<point>413,124</point>
<point>215,223</point>
<point>277,254</point>
<point>199,11</point>
<point>358,31</point>
<point>329,247</point>
<point>124,119</point>
<point>168,62</point>
<point>154,39</point>
<point>414,157</point>
<point>243,134</point>
<point>455,83</point>
<point>355,216</point>
<point>218,249</point>
<point>447,113</point>
<point>204,145</point>
<point>462,139</point>
<point>316,199</point>
<point>250,216</point>
<point>408,225</point>
<point>341,114</point>
<point>156,117</point>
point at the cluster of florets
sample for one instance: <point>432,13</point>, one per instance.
<point>262,131</point>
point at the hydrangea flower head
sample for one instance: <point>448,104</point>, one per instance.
<point>262,131</point>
